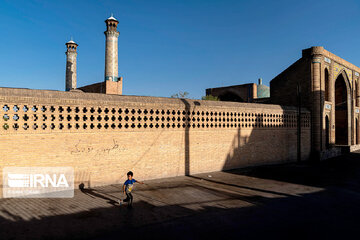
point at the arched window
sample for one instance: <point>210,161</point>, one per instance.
<point>327,83</point>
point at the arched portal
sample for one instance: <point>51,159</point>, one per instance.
<point>341,111</point>
<point>327,133</point>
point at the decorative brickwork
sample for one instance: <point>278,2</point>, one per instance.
<point>337,68</point>
<point>22,118</point>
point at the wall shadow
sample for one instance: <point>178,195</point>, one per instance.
<point>187,133</point>
<point>272,138</point>
<point>187,137</point>
<point>266,137</point>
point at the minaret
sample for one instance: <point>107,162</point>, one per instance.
<point>111,50</point>
<point>70,65</point>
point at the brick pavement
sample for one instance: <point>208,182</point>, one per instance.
<point>286,201</point>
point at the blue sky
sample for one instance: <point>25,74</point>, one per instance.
<point>170,46</point>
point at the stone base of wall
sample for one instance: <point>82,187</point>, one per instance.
<point>330,153</point>
<point>338,150</point>
<point>354,148</point>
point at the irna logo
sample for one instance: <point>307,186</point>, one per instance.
<point>38,182</point>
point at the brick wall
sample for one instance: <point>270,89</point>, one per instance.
<point>283,88</point>
<point>99,87</point>
<point>104,136</point>
<point>108,87</point>
<point>237,93</point>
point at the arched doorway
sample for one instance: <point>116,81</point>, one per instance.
<point>327,133</point>
<point>341,111</point>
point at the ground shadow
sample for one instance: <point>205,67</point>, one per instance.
<point>96,194</point>
<point>331,212</point>
<point>333,171</point>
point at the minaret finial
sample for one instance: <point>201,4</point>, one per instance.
<point>112,15</point>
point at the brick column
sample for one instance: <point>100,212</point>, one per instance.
<point>353,104</point>
<point>357,100</point>
<point>322,106</point>
<point>332,99</point>
<point>316,106</point>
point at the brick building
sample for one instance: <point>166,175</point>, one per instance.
<point>249,92</point>
<point>321,82</point>
<point>328,86</point>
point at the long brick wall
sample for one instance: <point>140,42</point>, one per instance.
<point>104,136</point>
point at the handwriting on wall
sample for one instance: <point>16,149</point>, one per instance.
<point>83,147</point>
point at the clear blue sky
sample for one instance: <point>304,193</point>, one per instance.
<point>170,46</point>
